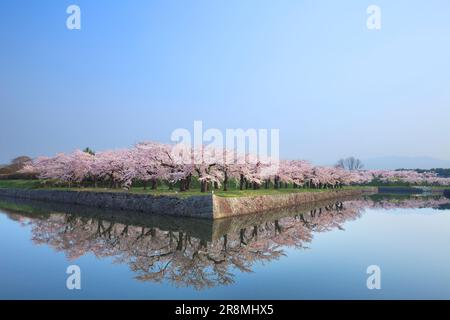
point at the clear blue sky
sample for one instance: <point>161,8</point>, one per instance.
<point>137,70</point>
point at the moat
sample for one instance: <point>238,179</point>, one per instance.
<point>319,251</point>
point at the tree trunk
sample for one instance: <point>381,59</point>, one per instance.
<point>202,186</point>
<point>225,242</point>
<point>188,181</point>
<point>225,182</point>
<point>241,182</point>
<point>182,185</point>
<point>154,184</point>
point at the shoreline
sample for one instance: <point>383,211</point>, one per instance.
<point>231,207</point>
<point>202,206</point>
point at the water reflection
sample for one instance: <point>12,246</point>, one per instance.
<point>190,252</point>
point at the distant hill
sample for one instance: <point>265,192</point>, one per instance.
<point>397,162</point>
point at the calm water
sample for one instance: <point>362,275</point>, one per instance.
<point>319,251</point>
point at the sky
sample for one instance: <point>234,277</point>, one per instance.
<point>138,70</point>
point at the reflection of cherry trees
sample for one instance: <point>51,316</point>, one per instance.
<point>406,203</point>
<point>176,256</point>
<point>154,254</point>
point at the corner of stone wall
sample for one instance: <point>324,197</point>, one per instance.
<point>227,207</point>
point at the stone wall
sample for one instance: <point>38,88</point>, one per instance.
<point>228,207</point>
<point>400,190</point>
<point>196,206</point>
<point>207,206</point>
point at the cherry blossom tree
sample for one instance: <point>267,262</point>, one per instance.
<point>176,164</point>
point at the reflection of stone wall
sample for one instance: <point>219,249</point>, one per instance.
<point>447,193</point>
<point>228,207</point>
<point>206,206</point>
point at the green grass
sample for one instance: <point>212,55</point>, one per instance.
<point>20,184</point>
<point>162,189</point>
<point>248,193</point>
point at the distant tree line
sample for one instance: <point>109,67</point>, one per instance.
<point>440,172</point>
<point>12,170</point>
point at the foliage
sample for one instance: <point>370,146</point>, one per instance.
<point>155,164</point>
<point>350,163</point>
<point>440,172</point>
<point>15,166</point>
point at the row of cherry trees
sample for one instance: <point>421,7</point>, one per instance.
<point>151,163</point>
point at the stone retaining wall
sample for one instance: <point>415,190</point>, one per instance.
<point>228,207</point>
<point>400,190</point>
<point>207,206</point>
<point>196,206</point>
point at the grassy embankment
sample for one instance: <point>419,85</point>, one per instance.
<point>233,191</point>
